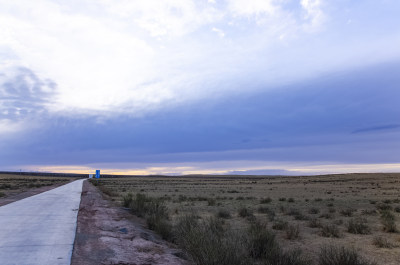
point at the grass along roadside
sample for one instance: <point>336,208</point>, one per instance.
<point>236,204</point>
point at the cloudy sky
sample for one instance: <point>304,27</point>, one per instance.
<point>197,86</point>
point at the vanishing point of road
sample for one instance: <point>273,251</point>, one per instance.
<point>40,229</point>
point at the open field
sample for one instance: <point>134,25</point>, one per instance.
<point>13,186</point>
<point>358,211</point>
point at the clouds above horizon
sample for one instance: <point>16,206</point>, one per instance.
<point>139,56</point>
<point>183,80</point>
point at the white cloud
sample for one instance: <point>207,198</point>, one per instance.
<point>253,7</point>
<point>220,32</point>
<point>314,14</point>
<point>108,56</point>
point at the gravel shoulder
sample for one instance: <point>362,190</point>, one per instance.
<point>107,234</point>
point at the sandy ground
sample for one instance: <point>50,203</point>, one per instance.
<point>107,234</point>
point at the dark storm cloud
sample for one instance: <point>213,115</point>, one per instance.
<point>309,121</point>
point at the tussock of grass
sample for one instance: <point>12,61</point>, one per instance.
<point>334,255</point>
<point>330,230</point>
<point>280,224</point>
<point>388,221</point>
<point>207,242</point>
<point>266,200</point>
<point>314,223</point>
<point>223,213</point>
<point>358,226</point>
<point>347,212</point>
<point>292,232</point>
<point>245,212</point>
<point>382,242</point>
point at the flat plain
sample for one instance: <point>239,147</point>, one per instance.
<point>354,211</point>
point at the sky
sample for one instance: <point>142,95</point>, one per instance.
<point>277,87</point>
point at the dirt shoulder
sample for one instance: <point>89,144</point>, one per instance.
<point>107,234</point>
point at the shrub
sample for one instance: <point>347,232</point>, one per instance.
<point>263,209</point>
<point>382,242</point>
<point>347,212</point>
<point>245,212</point>
<point>297,214</point>
<point>263,246</point>
<point>313,210</point>
<point>262,242</point>
<point>330,230</point>
<point>397,209</point>
<point>222,213</point>
<point>208,243</point>
<point>334,255</point>
<point>127,199</point>
<point>211,202</point>
<point>368,212</point>
<point>161,226</point>
<point>282,199</point>
<point>314,223</point>
<point>2,194</point>
<point>292,232</point>
<point>290,200</point>
<point>388,221</point>
<point>358,226</point>
<point>291,257</point>
<point>280,225</point>
<point>293,211</point>
<point>137,204</point>
<point>266,200</point>
<point>384,207</point>
<point>326,215</point>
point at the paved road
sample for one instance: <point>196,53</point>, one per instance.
<point>40,229</point>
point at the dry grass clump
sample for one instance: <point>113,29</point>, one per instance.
<point>208,242</point>
<point>314,223</point>
<point>292,232</point>
<point>280,224</point>
<point>154,211</point>
<point>313,210</point>
<point>266,200</point>
<point>388,221</point>
<point>347,212</point>
<point>335,255</point>
<point>265,249</point>
<point>358,226</point>
<point>330,230</point>
<point>383,242</point>
<point>223,213</point>
<point>245,212</point>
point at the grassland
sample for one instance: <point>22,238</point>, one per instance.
<point>14,184</point>
<point>314,215</point>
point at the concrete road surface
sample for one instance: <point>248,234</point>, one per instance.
<point>40,229</point>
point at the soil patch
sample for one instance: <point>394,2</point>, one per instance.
<point>107,234</point>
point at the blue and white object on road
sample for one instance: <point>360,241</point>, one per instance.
<point>97,173</point>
